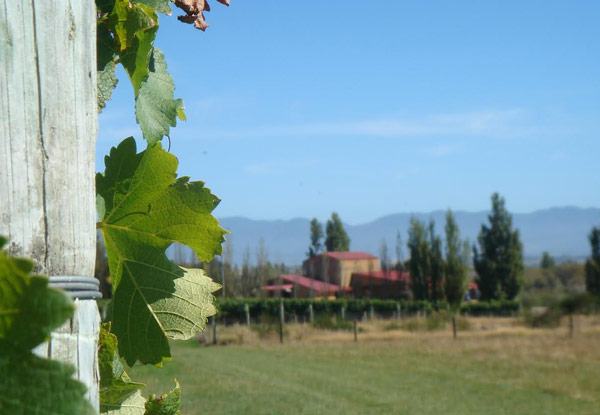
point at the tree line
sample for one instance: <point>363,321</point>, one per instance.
<point>438,268</point>
<point>439,271</point>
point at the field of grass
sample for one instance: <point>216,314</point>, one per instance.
<point>500,369</point>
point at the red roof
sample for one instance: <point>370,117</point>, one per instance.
<point>389,275</point>
<point>349,255</point>
<point>284,287</point>
<point>309,283</point>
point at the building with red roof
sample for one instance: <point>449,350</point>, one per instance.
<point>380,284</point>
<point>337,267</point>
<point>300,286</point>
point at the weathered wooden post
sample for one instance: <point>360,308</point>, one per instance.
<point>355,330</point>
<point>281,321</point>
<point>454,326</point>
<point>247,311</point>
<point>311,313</point>
<point>571,325</point>
<point>343,313</point>
<point>47,139</point>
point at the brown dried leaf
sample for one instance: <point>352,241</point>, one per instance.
<point>194,12</point>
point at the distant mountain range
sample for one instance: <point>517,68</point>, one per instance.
<point>563,232</point>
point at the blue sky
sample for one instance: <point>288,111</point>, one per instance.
<point>298,109</point>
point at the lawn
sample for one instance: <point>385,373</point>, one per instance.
<point>497,372</point>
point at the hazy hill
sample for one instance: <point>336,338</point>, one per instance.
<point>560,231</point>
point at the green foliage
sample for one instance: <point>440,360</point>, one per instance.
<point>592,265</point>
<point>155,108</point>
<point>456,262</point>
<point>548,318</point>
<point>232,309</point>
<point>115,385</point>
<point>126,32</point>
<point>147,209</point>
<point>546,287</point>
<point>166,404</point>
<point>437,266</point>
<point>547,261</point>
<point>29,311</point>
<point>336,237</point>
<point>316,234</point>
<point>420,256</point>
<point>499,265</point>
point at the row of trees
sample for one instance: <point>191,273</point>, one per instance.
<point>436,275</point>
<point>336,238</point>
<point>497,259</point>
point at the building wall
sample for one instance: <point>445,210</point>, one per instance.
<point>338,271</point>
<point>347,267</point>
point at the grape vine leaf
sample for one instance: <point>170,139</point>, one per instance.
<point>146,210</point>
<point>159,5</point>
<point>29,311</point>
<point>115,385</point>
<point>133,405</point>
<point>167,404</point>
<point>106,67</point>
<point>134,27</point>
<point>155,108</point>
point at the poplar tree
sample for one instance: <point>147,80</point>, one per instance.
<point>592,265</point>
<point>499,259</point>
<point>457,253</point>
<point>316,234</point>
<point>419,265</point>
<point>336,237</point>
<point>436,264</point>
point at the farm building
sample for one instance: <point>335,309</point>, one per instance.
<point>380,284</point>
<point>300,286</point>
<point>337,267</point>
<point>341,274</point>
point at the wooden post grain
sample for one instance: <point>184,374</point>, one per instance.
<point>48,123</point>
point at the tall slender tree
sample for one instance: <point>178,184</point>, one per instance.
<point>592,265</point>
<point>336,237</point>
<point>399,253</point>
<point>457,254</point>
<point>499,259</point>
<point>316,235</point>
<point>384,256</point>
<point>419,266</point>
<point>436,265</point>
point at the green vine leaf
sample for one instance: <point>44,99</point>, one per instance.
<point>134,27</point>
<point>159,5</point>
<point>167,404</point>
<point>115,385</point>
<point>155,108</point>
<point>29,311</point>
<point>106,67</point>
<point>148,209</point>
<point>133,405</point>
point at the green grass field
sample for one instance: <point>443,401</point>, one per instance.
<point>516,373</point>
